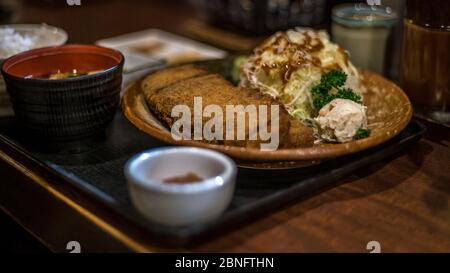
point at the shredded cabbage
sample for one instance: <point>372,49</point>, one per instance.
<point>289,64</point>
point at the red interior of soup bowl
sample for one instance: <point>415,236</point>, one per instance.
<point>38,63</point>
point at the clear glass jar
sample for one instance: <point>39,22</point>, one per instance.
<point>364,31</point>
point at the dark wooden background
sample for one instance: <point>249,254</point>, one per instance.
<point>403,203</point>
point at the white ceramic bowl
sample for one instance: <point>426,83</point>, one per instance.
<point>43,35</point>
<point>181,204</point>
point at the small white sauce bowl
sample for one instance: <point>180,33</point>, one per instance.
<point>180,204</point>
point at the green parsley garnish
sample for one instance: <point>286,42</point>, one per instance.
<point>332,80</point>
<point>349,94</point>
<point>362,133</point>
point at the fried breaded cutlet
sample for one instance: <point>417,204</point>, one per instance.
<point>166,77</point>
<point>170,87</point>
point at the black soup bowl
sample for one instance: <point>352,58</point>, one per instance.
<point>76,106</point>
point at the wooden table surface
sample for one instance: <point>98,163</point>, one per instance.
<point>402,203</point>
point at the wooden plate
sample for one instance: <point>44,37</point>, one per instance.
<point>389,112</point>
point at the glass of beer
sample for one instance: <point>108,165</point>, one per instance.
<point>425,72</point>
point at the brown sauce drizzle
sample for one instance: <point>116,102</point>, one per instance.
<point>297,54</point>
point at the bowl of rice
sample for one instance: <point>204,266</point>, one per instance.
<point>15,39</point>
<point>18,38</point>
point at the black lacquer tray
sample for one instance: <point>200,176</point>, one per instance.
<point>94,168</point>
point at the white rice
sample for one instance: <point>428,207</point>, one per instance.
<point>12,42</point>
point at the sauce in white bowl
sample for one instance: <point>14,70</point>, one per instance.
<point>181,186</point>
